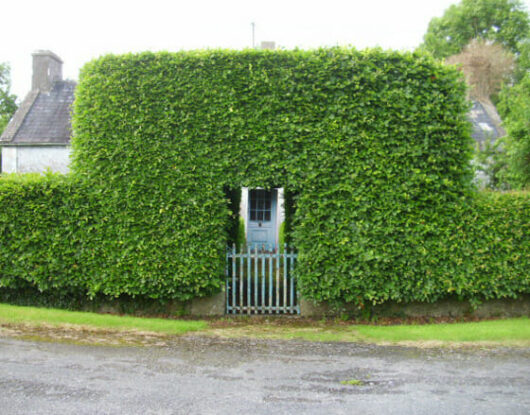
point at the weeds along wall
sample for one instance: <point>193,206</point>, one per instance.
<point>372,147</point>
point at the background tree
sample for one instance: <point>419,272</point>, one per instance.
<point>522,66</point>
<point>485,65</point>
<point>7,100</point>
<point>503,21</point>
<point>494,24</point>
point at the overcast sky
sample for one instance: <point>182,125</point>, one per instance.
<point>79,31</point>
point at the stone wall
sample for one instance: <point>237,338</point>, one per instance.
<point>445,308</point>
<point>215,307</point>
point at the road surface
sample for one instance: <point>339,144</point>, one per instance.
<point>198,375</point>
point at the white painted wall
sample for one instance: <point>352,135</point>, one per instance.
<point>9,159</point>
<point>37,159</point>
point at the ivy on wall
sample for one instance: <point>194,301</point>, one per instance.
<point>373,148</point>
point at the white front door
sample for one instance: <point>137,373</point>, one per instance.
<point>261,231</point>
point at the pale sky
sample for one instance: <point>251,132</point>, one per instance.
<point>81,30</point>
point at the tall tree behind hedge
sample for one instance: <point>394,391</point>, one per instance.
<point>8,104</point>
<point>485,65</point>
<point>502,21</point>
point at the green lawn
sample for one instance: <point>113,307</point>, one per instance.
<point>54,317</point>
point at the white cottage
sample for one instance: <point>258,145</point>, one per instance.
<point>38,136</point>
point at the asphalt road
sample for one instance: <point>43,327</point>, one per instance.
<point>212,376</point>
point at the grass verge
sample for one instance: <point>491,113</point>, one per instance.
<point>60,324</point>
<point>515,329</point>
<point>11,314</point>
<point>506,332</point>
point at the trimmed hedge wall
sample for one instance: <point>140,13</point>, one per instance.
<point>46,224</point>
<point>372,147</point>
<point>57,235</point>
<point>476,248</point>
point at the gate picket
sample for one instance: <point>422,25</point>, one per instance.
<point>270,283</point>
<point>265,284</point>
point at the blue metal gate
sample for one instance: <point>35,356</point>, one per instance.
<point>261,281</point>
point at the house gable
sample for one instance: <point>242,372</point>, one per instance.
<point>38,136</point>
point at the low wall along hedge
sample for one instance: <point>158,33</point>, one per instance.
<point>372,147</point>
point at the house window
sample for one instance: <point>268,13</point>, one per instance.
<point>260,205</point>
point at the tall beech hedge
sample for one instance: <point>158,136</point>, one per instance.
<point>46,223</point>
<point>373,148</point>
<point>59,234</point>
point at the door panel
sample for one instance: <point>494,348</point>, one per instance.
<point>262,217</point>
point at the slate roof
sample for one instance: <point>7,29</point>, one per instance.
<point>486,123</point>
<point>43,117</point>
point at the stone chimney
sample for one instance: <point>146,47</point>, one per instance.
<point>47,69</point>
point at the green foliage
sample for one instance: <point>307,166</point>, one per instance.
<point>372,147</point>
<point>26,294</point>
<point>514,106</point>
<point>8,104</point>
<point>522,66</point>
<point>234,223</point>
<point>57,237</point>
<point>476,248</point>
<point>241,234</point>
<point>46,226</point>
<point>289,208</point>
<point>491,163</point>
<point>503,21</point>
